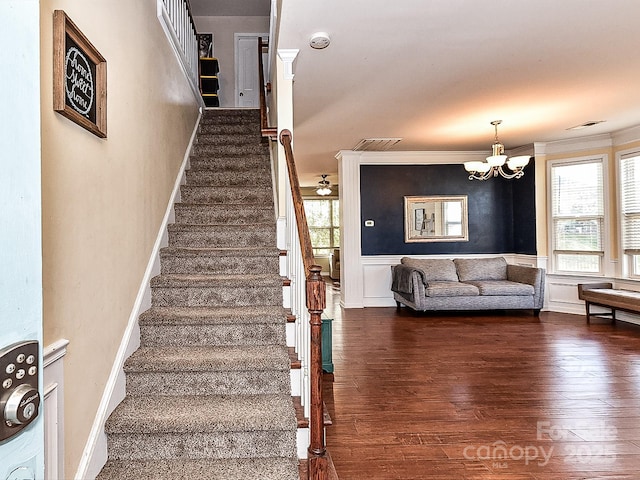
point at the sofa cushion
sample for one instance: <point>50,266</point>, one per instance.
<point>470,269</point>
<point>434,269</point>
<point>502,287</point>
<point>450,289</point>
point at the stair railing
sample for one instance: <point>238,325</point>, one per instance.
<point>177,23</point>
<point>310,293</point>
<point>267,131</point>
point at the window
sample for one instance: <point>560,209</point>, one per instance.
<point>630,210</point>
<point>324,224</point>
<point>577,210</point>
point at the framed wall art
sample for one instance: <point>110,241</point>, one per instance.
<point>79,77</point>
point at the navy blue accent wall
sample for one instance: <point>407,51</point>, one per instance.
<point>501,212</point>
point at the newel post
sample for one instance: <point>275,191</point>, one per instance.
<point>316,303</point>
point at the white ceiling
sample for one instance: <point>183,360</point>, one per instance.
<point>230,8</point>
<point>437,72</point>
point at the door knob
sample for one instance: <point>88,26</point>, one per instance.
<point>241,94</point>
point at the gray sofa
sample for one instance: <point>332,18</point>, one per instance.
<point>467,284</point>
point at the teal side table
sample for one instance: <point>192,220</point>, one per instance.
<point>327,356</point>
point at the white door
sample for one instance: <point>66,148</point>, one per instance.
<point>247,88</point>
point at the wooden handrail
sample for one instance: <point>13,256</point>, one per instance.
<point>316,303</point>
<point>298,203</point>
<point>317,464</point>
<point>267,131</point>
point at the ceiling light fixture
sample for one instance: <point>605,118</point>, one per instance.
<point>324,186</point>
<point>493,166</point>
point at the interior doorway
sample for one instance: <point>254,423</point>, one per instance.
<point>246,64</point>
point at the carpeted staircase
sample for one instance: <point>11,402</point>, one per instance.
<point>208,391</point>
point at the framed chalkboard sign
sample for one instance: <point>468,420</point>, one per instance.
<point>79,77</point>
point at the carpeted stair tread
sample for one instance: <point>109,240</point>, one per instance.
<point>213,315</point>
<point>226,115</point>
<point>238,128</point>
<point>222,251</point>
<point>265,226</point>
<point>186,235</point>
<point>229,160</point>
<point>238,214</point>
<point>217,358</point>
<point>226,194</point>
<point>230,166</point>
<point>211,261</point>
<point>280,468</point>
<point>186,281</point>
<point>202,413</point>
<point>222,139</point>
<point>213,178</point>
<point>235,149</point>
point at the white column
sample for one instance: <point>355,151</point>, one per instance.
<point>284,98</point>
<point>351,270</point>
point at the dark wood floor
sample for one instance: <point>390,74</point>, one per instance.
<point>483,397</point>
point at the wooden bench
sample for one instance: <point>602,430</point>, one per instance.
<point>604,295</point>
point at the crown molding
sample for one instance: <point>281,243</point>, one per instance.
<point>411,157</point>
<point>574,144</point>
<point>628,135</point>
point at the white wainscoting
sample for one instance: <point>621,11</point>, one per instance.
<point>53,410</point>
<point>563,294</point>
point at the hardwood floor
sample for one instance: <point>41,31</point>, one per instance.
<point>482,396</point>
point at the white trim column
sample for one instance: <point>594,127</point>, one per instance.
<point>284,120</point>
<point>351,273</point>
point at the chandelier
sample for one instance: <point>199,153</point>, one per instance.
<point>495,163</point>
<point>324,186</point>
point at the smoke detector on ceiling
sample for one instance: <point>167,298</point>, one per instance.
<point>320,40</point>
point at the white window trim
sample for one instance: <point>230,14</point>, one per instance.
<point>626,269</point>
<point>605,259</point>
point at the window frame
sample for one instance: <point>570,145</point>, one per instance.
<point>603,254</point>
<point>628,259</point>
<point>331,228</point>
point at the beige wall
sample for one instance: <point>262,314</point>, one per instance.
<point>104,200</point>
<point>223,29</point>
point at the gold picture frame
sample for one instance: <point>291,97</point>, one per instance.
<point>441,218</point>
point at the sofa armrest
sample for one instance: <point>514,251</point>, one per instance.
<point>530,275</point>
<point>405,279</point>
<point>523,274</point>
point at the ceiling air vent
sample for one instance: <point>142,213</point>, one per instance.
<point>588,124</point>
<point>376,144</point>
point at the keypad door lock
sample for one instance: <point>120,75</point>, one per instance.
<point>19,395</point>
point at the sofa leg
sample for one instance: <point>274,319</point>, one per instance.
<point>398,305</point>
<point>536,312</point>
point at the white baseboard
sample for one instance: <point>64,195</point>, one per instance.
<point>94,455</point>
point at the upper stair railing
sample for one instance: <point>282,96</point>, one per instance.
<point>267,131</point>
<point>177,23</point>
<point>310,294</point>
